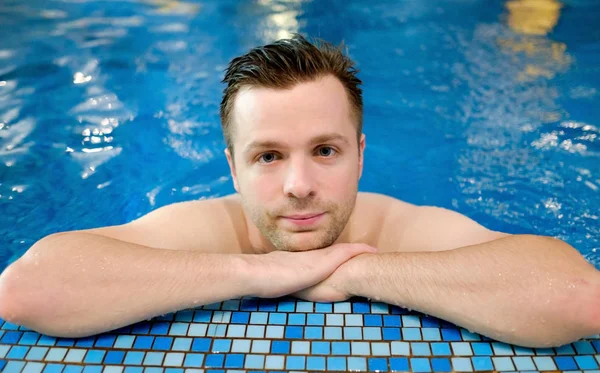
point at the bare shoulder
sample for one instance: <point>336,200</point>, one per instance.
<point>407,227</point>
<point>211,225</point>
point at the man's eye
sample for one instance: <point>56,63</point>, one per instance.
<point>267,158</point>
<point>326,151</point>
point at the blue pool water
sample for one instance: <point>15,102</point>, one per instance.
<point>109,109</point>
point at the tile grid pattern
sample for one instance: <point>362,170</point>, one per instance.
<point>286,335</point>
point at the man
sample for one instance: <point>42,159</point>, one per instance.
<point>292,120</point>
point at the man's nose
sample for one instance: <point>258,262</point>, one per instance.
<point>299,182</point>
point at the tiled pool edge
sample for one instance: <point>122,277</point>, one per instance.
<point>286,335</point>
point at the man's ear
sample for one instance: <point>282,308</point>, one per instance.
<point>232,169</point>
<point>361,152</point>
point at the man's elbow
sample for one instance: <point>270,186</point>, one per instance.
<point>12,307</point>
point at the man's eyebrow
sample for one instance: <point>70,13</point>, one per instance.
<point>328,137</point>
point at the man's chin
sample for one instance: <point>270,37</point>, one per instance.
<point>305,241</point>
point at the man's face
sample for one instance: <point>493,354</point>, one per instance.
<point>297,162</point>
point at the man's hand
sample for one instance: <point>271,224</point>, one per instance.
<point>281,273</point>
<point>334,288</point>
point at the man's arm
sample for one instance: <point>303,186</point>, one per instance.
<point>75,284</point>
<point>527,290</point>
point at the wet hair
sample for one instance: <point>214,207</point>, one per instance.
<point>284,64</point>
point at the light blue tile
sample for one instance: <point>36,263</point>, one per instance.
<point>544,363</point>
<point>380,349</point>
<point>333,332</point>
<point>462,349</point>
<point>275,331</point>
<point>56,354</point>
<point>220,316</point>
<point>300,347</point>
<point>357,364</point>
<point>254,362</point>
<point>523,363</point>
<point>277,318</point>
<point>134,358</point>
<point>313,332</point>
<point>297,319</point>
<point>411,321</point>
<point>462,364</point>
<point>236,331</point>
<point>241,345</point>
<point>198,330</point>
<point>503,363</point>
<point>75,355</point>
<point>336,364</point>
<point>258,317</point>
<point>321,348</point>
<point>502,349</point>
<point>372,333</point>
<point>305,307</point>
<point>352,333</point>
<point>153,370</point>
<point>420,365</point>
<point>179,328</point>
<point>4,350</point>
<point>32,367</point>
<point>261,346</point>
<point>124,341</point>
<point>354,320</point>
<point>334,320</point>
<point>411,334</point>
<point>314,363</point>
<point>400,348</point>
<point>92,369</point>
<point>274,362</point>
<point>221,345</point>
<point>73,369</point>
<point>342,307</point>
<point>544,351</point>
<point>431,334</point>
<point>255,331</point>
<point>482,363</point>
<point>14,366</point>
<point>420,349</point>
<point>46,341</point>
<point>315,319</point>
<point>154,358</point>
<point>174,359</point>
<point>323,307</point>
<point>216,330</point>
<point>38,353</point>
<point>360,348</point>
<point>295,363</point>
<point>182,344</point>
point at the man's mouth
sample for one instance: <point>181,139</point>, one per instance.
<point>304,220</point>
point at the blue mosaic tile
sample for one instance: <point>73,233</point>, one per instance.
<point>232,339</point>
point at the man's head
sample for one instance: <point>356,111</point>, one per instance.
<point>292,119</point>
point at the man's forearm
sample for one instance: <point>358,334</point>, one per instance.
<point>81,284</point>
<point>526,290</point>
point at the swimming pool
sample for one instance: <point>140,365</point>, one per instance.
<point>110,109</point>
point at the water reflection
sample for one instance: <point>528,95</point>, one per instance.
<point>281,20</point>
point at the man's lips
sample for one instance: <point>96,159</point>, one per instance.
<point>303,216</point>
<point>304,220</point>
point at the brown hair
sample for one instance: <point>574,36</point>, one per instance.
<point>283,64</point>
